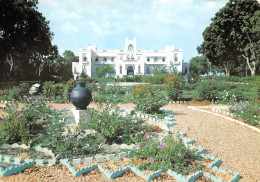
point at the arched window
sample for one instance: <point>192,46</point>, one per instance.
<point>132,57</point>
<point>130,47</point>
<point>128,57</point>
<point>139,69</point>
<point>96,59</point>
<point>148,59</point>
<point>148,70</point>
<point>104,59</point>
<point>163,59</point>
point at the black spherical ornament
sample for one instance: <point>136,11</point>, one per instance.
<point>80,95</point>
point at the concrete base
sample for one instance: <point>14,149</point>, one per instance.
<point>80,114</point>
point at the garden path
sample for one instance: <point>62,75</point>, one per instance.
<point>237,146</point>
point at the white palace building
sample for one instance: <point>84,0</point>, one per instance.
<point>129,61</point>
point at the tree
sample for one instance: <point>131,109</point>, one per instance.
<point>24,37</point>
<point>233,34</point>
<point>199,65</point>
<point>104,69</point>
<point>62,65</point>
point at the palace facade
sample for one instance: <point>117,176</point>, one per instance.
<point>129,61</point>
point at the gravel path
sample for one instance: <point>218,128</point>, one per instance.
<point>237,146</point>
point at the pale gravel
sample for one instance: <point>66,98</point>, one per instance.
<point>237,146</point>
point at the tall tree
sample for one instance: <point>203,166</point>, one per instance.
<point>24,35</point>
<point>199,65</point>
<point>233,34</point>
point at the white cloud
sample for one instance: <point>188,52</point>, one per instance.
<point>95,27</point>
<point>69,28</point>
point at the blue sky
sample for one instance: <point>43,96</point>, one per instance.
<point>106,23</point>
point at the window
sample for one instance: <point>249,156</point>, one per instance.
<point>84,69</point>
<point>130,47</point>
<point>175,58</point>
<point>75,70</point>
<point>139,69</point>
<point>84,57</point>
<point>138,58</point>
<point>121,58</point>
<point>148,59</point>
<point>163,59</point>
<point>104,59</point>
<point>96,59</point>
<point>128,57</point>
<point>155,59</point>
<point>120,70</point>
<point>148,70</point>
<point>132,57</point>
<point>112,59</point>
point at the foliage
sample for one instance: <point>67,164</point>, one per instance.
<point>25,43</point>
<point>199,66</point>
<point>230,97</point>
<point>103,70</point>
<point>148,98</point>
<point>59,92</point>
<point>207,90</point>
<point>60,139</point>
<point>248,111</point>
<point>233,37</point>
<point>172,154</point>
<point>49,89</point>
<point>112,127</point>
<point>173,85</point>
<point>156,79</point>
<point>13,128</point>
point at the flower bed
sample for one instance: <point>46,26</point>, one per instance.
<point>122,127</point>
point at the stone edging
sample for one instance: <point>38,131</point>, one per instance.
<point>18,164</point>
<point>228,118</point>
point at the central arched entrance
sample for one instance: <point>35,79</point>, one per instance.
<point>130,70</point>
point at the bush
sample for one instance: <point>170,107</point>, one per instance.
<point>148,98</point>
<point>61,140</point>
<point>173,85</point>
<point>248,111</point>
<point>230,97</point>
<point>207,90</point>
<point>156,79</point>
<point>49,89</point>
<point>14,127</point>
<point>172,154</point>
<point>112,127</point>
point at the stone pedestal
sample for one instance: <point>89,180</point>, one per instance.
<point>80,114</point>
